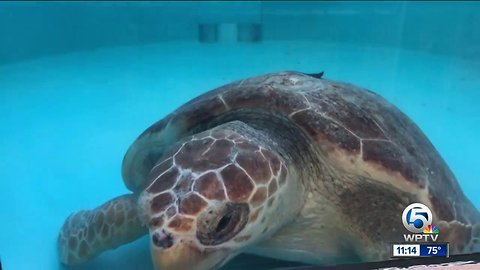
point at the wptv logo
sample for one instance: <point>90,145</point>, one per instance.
<point>417,219</point>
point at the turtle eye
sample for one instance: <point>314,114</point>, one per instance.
<point>224,223</point>
<point>220,225</point>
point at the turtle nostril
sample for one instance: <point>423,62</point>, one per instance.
<point>162,240</point>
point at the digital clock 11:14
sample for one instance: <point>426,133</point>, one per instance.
<point>406,250</point>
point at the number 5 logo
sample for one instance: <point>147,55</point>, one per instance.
<point>416,217</point>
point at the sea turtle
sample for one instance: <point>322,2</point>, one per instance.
<point>286,165</point>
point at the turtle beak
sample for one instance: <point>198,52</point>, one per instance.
<point>187,256</point>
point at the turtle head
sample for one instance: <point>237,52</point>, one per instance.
<point>211,197</point>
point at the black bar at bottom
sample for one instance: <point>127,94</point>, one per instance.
<point>473,258</point>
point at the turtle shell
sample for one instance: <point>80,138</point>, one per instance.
<point>354,130</point>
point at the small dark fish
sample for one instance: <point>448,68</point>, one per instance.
<point>315,75</point>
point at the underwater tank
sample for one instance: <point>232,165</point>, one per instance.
<point>82,82</point>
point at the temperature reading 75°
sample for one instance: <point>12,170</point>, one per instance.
<point>433,250</point>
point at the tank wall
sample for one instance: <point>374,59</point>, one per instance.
<point>32,29</point>
<point>440,27</point>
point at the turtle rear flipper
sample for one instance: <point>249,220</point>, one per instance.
<point>87,233</point>
<point>463,238</point>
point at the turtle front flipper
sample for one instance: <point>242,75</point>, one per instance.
<point>87,233</point>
